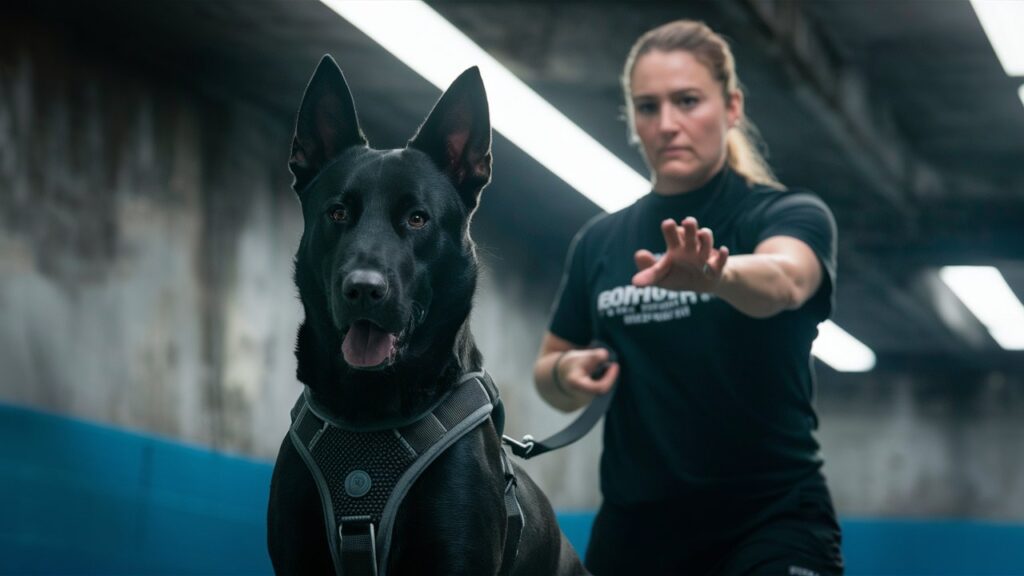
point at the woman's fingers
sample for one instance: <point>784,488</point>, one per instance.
<point>651,269</point>
<point>689,225</point>
<point>590,360</point>
<point>705,243</point>
<point>580,364</point>
<point>717,260</point>
<point>603,384</point>
<point>690,253</point>
<point>644,259</point>
<point>671,234</point>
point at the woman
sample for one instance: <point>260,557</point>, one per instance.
<point>709,289</point>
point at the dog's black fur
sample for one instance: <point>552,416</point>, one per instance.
<point>387,243</point>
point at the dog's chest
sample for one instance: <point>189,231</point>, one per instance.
<point>363,476</point>
<point>359,469</point>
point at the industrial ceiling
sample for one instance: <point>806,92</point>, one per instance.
<point>897,113</point>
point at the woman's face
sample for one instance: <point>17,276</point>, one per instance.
<point>681,118</point>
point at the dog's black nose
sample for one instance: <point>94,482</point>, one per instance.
<point>364,287</point>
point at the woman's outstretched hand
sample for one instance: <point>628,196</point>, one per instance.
<point>690,262</point>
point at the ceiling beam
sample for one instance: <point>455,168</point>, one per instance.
<point>837,95</point>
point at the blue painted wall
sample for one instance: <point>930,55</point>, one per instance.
<point>81,498</point>
<point>78,498</point>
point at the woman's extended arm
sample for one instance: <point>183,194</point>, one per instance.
<point>781,274</point>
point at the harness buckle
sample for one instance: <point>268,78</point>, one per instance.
<point>357,543</point>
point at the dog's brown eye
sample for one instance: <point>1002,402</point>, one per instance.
<point>418,220</point>
<point>338,214</point>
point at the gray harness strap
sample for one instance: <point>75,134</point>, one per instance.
<point>363,475</point>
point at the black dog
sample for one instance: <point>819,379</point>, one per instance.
<point>386,272</point>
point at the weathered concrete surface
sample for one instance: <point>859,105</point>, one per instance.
<point>925,444</point>
<point>146,252</point>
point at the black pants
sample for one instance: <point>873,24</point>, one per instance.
<point>794,535</point>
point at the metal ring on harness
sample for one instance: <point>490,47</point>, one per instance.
<point>520,448</point>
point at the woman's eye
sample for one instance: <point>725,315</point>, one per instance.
<point>338,214</point>
<point>646,108</point>
<point>688,101</point>
<point>418,220</point>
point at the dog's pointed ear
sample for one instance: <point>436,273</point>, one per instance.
<point>326,124</point>
<point>457,136</point>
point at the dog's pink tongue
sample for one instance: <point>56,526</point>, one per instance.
<point>367,345</point>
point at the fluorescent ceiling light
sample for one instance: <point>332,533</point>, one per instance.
<point>835,347</point>
<point>984,292</point>
<point>526,119</point>
<point>1003,22</point>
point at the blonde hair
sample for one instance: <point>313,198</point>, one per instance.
<point>744,146</point>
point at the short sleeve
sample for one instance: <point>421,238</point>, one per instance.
<point>805,217</point>
<point>570,316</point>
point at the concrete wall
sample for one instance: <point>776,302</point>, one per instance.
<point>923,442</point>
<point>146,252</point>
<point>145,263</point>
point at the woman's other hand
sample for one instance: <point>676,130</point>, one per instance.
<point>564,373</point>
<point>575,371</point>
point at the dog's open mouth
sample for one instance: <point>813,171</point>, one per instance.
<point>367,345</point>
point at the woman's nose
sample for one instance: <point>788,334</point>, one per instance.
<point>667,120</point>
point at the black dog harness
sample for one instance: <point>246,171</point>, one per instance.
<point>364,474</point>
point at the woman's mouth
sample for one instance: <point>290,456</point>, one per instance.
<point>675,151</point>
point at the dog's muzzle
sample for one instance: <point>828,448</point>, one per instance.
<point>364,289</point>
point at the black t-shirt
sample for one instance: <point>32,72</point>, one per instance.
<point>713,408</point>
